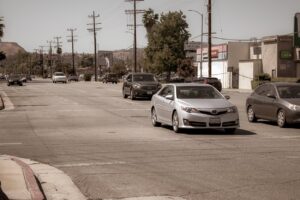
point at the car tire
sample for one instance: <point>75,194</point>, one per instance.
<point>230,130</point>
<point>132,94</point>
<point>124,94</point>
<point>8,84</point>
<point>251,115</point>
<point>175,122</point>
<point>281,118</point>
<point>154,118</point>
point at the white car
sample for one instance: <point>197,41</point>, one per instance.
<point>193,106</point>
<point>59,77</point>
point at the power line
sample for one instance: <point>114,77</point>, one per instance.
<point>134,12</point>
<point>94,29</point>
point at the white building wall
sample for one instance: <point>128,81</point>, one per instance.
<point>269,58</point>
<point>247,72</point>
<point>219,70</point>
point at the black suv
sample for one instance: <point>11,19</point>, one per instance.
<point>140,85</point>
<point>211,81</point>
<point>14,79</point>
<point>112,78</point>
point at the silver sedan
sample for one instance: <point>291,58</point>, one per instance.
<point>191,105</point>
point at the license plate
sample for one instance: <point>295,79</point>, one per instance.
<point>149,92</point>
<point>215,120</point>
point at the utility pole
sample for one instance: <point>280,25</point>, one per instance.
<point>209,37</point>
<point>94,29</point>
<point>42,59</point>
<point>50,56</point>
<point>134,12</point>
<point>72,41</point>
<point>58,50</point>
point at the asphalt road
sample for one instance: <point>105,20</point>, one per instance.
<point>109,148</point>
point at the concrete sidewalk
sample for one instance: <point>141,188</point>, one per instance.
<point>23,179</point>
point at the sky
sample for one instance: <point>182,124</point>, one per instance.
<point>31,23</point>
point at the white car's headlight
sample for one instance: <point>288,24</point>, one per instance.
<point>294,107</point>
<point>189,109</point>
<point>232,109</point>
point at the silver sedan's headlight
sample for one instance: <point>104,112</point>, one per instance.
<point>294,107</point>
<point>189,109</point>
<point>232,109</point>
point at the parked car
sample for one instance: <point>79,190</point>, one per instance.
<point>73,77</point>
<point>278,102</point>
<point>28,77</point>
<point>140,85</point>
<point>110,78</point>
<point>14,79</point>
<point>59,77</point>
<point>211,81</point>
<point>193,106</point>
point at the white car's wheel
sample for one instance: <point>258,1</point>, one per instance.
<point>154,118</point>
<point>175,122</point>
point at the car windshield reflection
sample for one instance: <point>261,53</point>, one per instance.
<point>196,92</point>
<point>289,92</point>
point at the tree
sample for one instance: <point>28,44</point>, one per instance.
<point>166,40</point>
<point>186,69</point>
<point>119,68</point>
<point>1,28</point>
<point>2,55</point>
<point>150,19</point>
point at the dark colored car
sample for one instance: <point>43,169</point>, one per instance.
<point>73,77</point>
<point>276,102</point>
<point>110,78</point>
<point>14,79</point>
<point>140,85</point>
<point>211,81</point>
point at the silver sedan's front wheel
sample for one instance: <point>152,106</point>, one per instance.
<point>154,118</point>
<point>175,122</point>
<point>281,118</point>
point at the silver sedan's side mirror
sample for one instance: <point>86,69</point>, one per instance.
<point>170,97</point>
<point>227,97</point>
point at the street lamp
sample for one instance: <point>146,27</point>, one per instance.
<point>201,38</point>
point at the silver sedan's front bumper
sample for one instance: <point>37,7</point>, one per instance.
<point>204,121</point>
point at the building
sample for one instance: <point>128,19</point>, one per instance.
<point>225,62</point>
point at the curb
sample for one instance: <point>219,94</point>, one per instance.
<point>31,183</point>
<point>46,182</point>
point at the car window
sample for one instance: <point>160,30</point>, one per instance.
<point>262,90</point>
<point>197,92</point>
<point>168,90</point>
<point>288,92</point>
<point>59,74</point>
<point>143,77</point>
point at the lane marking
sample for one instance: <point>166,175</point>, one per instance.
<point>8,105</point>
<point>91,164</point>
<point>10,144</point>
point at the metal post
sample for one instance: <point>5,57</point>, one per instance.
<point>135,56</point>
<point>209,38</point>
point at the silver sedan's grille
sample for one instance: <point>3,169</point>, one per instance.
<point>213,112</point>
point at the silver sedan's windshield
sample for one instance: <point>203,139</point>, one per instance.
<point>289,92</point>
<point>197,92</point>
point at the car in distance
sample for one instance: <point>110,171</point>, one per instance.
<point>140,85</point>
<point>193,106</point>
<point>73,77</point>
<point>59,77</point>
<point>211,81</point>
<point>110,78</point>
<point>278,102</point>
<point>14,79</point>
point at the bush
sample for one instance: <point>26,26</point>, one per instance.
<point>87,77</point>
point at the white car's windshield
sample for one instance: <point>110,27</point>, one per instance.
<point>197,92</point>
<point>59,74</point>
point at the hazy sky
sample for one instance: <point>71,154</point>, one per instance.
<point>32,22</point>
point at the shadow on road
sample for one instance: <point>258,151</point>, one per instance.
<point>239,132</point>
<point>272,123</point>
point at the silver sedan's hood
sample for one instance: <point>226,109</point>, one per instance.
<point>205,103</point>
